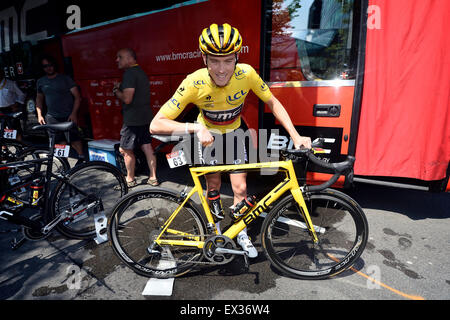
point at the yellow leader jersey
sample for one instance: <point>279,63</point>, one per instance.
<point>220,107</point>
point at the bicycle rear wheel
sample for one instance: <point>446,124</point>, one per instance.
<point>101,183</point>
<point>60,165</point>
<point>340,225</point>
<point>137,220</point>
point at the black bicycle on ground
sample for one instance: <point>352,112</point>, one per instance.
<point>74,202</point>
<point>12,150</point>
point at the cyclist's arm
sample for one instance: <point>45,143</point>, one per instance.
<point>163,125</point>
<point>281,115</point>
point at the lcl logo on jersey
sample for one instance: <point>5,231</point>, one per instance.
<point>239,75</point>
<point>199,83</point>
<point>175,102</point>
<point>234,99</point>
<point>264,86</point>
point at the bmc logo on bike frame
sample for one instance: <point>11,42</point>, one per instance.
<point>256,212</point>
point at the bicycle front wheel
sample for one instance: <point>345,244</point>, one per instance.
<point>90,188</point>
<point>137,221</point>
<point>340,225</point>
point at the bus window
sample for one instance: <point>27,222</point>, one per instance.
<point>313,40</point>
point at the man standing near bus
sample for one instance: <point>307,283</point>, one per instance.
<point>62,97</point>
<point>134,93</point>
<point>219,91</point>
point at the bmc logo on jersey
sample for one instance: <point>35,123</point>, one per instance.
<point>222,117</point>
<point>234,99</point>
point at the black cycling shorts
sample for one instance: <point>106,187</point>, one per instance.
<point>227,148</point>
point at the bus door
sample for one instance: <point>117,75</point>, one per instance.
<point>311,66</point>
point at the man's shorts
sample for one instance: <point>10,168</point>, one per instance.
<point>72,134</point>
<point>134,136</point>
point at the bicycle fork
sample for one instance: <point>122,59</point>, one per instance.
<point>298,197</point>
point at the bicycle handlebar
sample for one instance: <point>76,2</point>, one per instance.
<point>339,168</point>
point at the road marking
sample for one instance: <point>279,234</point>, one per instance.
<point>405,295</point>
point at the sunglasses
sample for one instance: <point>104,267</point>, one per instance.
<point>47,65</point>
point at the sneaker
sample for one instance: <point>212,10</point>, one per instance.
<point>247,245</point>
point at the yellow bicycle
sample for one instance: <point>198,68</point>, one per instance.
<point>309,232</point>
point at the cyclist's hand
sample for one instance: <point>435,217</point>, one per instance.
<point>41,120</point>
<point>303,141</point>
<point>205,137</point>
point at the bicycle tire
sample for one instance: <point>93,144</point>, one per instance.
<point>59,164</point>
<point>96,178</point>
<point>342,235</point>
<point>136,221</point>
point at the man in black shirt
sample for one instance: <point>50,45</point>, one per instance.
<point>134,92</point>
<point>62,98</point>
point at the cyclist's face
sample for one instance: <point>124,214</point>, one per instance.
<point>220,68</point>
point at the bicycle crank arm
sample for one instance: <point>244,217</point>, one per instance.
<point>52,224</point>
<point>62,217</point>
<point>230,251</point>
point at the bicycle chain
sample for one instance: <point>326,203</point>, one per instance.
<point>192,262</point>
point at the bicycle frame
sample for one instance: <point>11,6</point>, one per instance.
<point>46,195</point>
<point>290,183</point>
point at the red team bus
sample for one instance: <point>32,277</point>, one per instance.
<point>371,77</point>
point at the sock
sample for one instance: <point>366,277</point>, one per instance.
<point>243,233</point>
<point>218,227</point>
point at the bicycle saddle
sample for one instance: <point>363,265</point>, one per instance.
<point>63,126</point>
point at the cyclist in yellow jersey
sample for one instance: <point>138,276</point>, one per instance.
<point>220,107</point>
<point>219,91</point>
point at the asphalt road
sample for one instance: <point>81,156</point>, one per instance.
<point>407,257</point>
